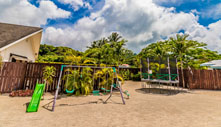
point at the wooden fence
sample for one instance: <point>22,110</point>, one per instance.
<point>202,79</point>
<point>17,76</point>
<point>34,73</point>
<point>12,76</point>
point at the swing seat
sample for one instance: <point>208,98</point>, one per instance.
<point>68,91</point>
<point>108,91</point>
<point>126,92</point>
<point>96,93</point>
<point>115,85</point>
<point>105,91</point>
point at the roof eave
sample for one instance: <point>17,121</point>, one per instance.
<point>21,39</point>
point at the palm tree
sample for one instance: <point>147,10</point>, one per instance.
<point>107,50</point>
<point>114,37</point>
<point>89,61</point>
<point>73,60</point>
<point>180,47</point>
<point>80,81</point>
<point>106,76</point>
<point>48,74</point>
<point>98,43</point>
<point>86,81</point>
<point>127,56</point>
<point>72,80</point>
<point>107,54</point>
<point>95,53</point>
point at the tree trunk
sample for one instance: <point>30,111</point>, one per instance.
<point>181,63</point>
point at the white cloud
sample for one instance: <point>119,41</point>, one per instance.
<point>177,2</point>
<point>212,12</point>
<point>76,4</point>
<point>22,12</point>
<point>76,37</point>
<point>194,11</point>
<point>210,35</point>
<point>140,22</point>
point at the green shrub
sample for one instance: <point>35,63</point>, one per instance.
<point>136,77</point>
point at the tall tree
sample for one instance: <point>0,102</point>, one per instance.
<point>180,47</point>
<point>114,37</point>
<point>108,50</point>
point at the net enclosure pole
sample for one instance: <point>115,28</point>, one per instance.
<point>168,62</point>
<point>140,69</point>
<point>148,71</point>
<point>56,93</point>
<point>177,69</point>
<point>148,65</point>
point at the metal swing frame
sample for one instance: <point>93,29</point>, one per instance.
<point>59,82</point>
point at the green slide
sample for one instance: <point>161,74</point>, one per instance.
<point>36,97</point>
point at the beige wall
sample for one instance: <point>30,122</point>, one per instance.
<point>28,47</point>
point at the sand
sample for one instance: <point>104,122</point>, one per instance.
<point>198,108</point>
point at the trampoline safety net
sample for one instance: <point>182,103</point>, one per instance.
<point>159,68</point>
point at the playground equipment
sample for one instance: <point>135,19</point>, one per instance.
<point>160,70</point>
<point>36,98</point>
<point>73,89</point>
<point>95,92</point>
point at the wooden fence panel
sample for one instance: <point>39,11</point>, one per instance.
<point>12,76</point>
<point>202,79</point>
<point>34,73</point>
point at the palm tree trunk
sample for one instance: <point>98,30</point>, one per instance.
<point>181,62</point>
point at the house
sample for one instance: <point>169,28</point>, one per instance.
<point>19,43</point>
<point>215,64</point>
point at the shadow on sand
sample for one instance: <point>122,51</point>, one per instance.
<point>48,106</point>
<point>26,104</point>
<point>160,91</point>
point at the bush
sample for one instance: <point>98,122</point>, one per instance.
<point>136,77</point>
<point>126,74</point>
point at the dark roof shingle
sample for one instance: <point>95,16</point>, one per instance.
<point>10,33</point>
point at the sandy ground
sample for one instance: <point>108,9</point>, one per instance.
<point>197,108</point>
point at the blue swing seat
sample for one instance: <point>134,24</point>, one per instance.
<point>96,93</point>
<point>68,91</point>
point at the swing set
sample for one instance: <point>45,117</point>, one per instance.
<point>96,91</point>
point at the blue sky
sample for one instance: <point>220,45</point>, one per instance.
<point>75,15</point>
<point>182,6</point>
<point>199,5</point>
<point>75,23</point>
